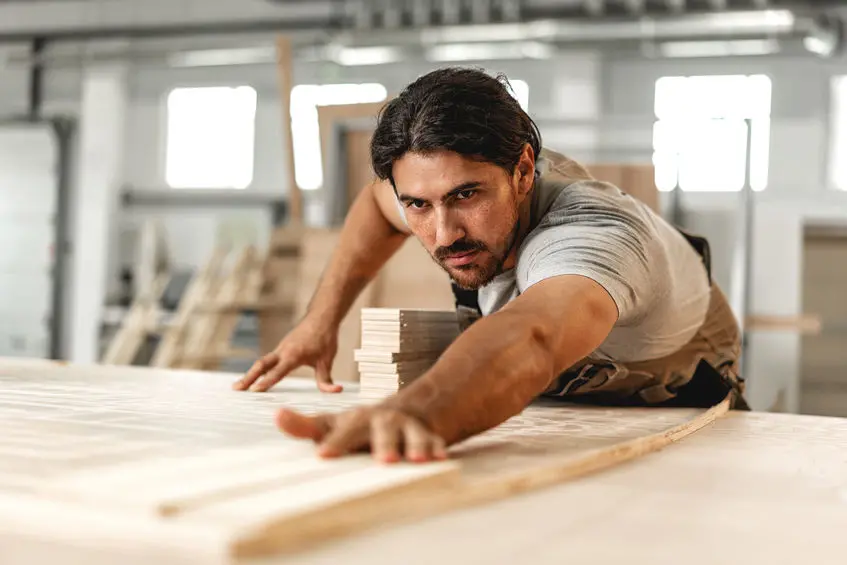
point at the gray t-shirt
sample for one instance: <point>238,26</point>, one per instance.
<point>592,228</point>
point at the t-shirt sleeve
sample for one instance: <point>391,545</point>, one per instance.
<point>603,237</point>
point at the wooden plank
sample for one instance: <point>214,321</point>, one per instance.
<point>199,291</point>
<point>280,284</point>
<point>805,324</point>
<point>136,325</point>
<point>285,66</point>
<point>184,446</point>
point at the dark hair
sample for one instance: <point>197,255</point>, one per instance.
<point>456,109</point>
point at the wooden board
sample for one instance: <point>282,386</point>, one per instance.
<point>639,181</point>
<point>153,449</point>
<point>285,67</point>
<point>753,488</point>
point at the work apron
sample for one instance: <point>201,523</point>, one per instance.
<point>700,374</point>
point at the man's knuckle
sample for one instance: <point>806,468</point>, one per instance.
<point>388,418</point>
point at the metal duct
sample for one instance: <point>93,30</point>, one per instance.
<point>766,23</point>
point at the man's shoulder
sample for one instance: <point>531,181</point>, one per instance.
<point>588,200</point>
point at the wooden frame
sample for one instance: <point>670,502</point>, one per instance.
<point>335,122</point>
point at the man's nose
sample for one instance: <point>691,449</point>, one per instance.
<point>448,229</point>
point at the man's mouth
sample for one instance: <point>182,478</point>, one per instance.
<point>460,259</point>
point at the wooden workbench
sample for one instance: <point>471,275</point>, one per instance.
<point>756,488</point>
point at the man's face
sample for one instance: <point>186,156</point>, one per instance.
<point>464,212</point>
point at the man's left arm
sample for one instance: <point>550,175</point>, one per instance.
<point>490,373</point>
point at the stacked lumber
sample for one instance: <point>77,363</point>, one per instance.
<point>399,345</point>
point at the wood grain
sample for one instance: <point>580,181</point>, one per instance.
<point>181,448</point>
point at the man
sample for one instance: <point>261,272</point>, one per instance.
<point>585,293</point>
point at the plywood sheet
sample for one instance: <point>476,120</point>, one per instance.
<point>752,488</point>
<point>181,448</point>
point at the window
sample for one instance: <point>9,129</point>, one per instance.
<point>520,90</point>
<point>210,137</point>
<point>305,131</point>
<point>700,136</point>
<point>838,150</point>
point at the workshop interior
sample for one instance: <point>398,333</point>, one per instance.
<point>175,177</point>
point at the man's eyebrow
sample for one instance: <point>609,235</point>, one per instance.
<point>464,186</point>
<point>452,192</point>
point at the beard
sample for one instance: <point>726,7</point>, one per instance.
<point>486,265</point>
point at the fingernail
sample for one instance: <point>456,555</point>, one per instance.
<point>390,458</point>
<point>327,452</point>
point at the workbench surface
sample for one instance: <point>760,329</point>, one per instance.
<point>754,487</point>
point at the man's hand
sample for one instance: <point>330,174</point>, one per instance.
<point>309,344</point>
<point>389,433</point>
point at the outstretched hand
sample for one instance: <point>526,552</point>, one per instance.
<point>388,433</point>
<point>308,344</point>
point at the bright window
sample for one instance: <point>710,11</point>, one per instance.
<point>700,136</point>
<point>210,137</point>
<point>305,130</point>
<point>520,90</point>
<point>838,155</point>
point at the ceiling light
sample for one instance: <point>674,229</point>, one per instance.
<point>489,51</point>
<point>356,56</point>
<point>731,48</point>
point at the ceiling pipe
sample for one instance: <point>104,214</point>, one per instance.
<point>767,23</point>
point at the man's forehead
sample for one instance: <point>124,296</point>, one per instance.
<point>430,177</point>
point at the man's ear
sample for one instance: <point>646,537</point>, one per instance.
<point>525,170</point>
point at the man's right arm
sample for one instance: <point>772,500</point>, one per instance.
<point>373,231</point>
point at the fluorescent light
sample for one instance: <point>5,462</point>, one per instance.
<point>738,47</point>
<point>361,56</point>
<point>223,57</point>
<point>489,51</point>
<point>486,33</point>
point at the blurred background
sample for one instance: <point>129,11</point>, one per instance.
<point>173,173</point>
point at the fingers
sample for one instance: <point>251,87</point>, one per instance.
<point>283,366</point>
<point>385,439</point>
<point>323,378</point>
<point>303,427</point>
<point>421,444</point>
<point>258,369</point>
<point>351,433</point>
<point>391,435</point>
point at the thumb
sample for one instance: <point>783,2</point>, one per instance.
<point>300,426</point>
<point>323,377</point>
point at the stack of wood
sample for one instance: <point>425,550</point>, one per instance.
<point>410,280</point>
<point>399,345</point>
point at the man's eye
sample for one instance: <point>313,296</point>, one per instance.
<point>465,194</point>
<point>416,204</point>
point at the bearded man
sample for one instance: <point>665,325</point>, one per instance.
<point>584,292</point>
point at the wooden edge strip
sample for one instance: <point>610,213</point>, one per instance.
<point>570,467</point>
<point>396,506</point>
<point>804,324</point>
